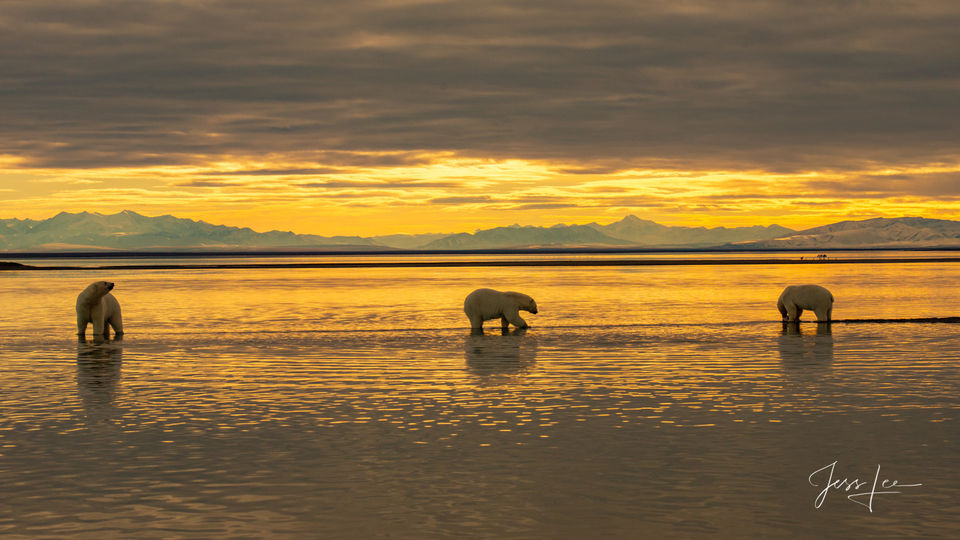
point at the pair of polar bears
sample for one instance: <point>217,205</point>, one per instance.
<point>486,304</point>
<point>96,305</point>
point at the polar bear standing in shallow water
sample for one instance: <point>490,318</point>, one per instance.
<point>95,304</point>
<point>796,298</point>
<point>485,304</point>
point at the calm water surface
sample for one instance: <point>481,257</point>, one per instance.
<point>355,403</point>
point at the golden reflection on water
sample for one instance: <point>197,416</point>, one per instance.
<point>302,422</point>
<point>689,376</point>
<point>271,300</point>
<point>259,403</point>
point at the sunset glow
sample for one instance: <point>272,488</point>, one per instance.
<point>446,193</point>
<point>479,269</point>
<point>380,117</point>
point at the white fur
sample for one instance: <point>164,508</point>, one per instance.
<point>96,305</point>
<point>486,304</point>
<point>796,298</point>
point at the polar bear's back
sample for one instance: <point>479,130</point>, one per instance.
<point>806,296</point>
<point>110,305</point>
<point>483,302</point>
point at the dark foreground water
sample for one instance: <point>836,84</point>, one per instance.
<point>650,402</point>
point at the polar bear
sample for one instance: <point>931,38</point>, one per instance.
<point>95,304</point>
<point>796,298</point>
<point>485,304</point>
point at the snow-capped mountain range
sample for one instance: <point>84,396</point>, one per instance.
<point>630,231</point>
<point>130,231</point>
<point>904,232</point>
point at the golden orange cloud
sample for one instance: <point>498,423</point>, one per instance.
<point>402,192</point>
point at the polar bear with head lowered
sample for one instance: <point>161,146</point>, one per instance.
<point>796,298</point>
<point>486,304</point>
<point>96,305</point>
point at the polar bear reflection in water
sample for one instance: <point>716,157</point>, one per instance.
<point>98,376</point>
<point>487,304</point>
<point>799,350</point>
<point>513,353</point>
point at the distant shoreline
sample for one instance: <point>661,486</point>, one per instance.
<point>268,253</point>
<point>474,263</point>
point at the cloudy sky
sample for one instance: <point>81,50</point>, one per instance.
<point>383,116</point>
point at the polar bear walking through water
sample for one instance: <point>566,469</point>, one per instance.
<point>796,298</point>
<point>486,304</point>
<point>96,305</point>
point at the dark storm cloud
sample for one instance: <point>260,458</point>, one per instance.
<point>779,85</point>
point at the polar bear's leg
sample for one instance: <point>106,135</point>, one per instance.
<point>782,308</point>
<point>82,320</point>
<point>823,313</point>
<point>112,315</point>
<point>513,316</point>
<point>504,323</point>
<point>116,321</point>
<point>793,312</point>
<point>96,316</point>
<point>476,321</point>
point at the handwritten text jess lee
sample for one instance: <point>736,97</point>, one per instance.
<point>846,485</point>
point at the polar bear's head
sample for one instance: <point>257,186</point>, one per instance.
<point>97,289</point>
<point>524,302</point>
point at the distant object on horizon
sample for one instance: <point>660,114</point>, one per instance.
<point>130,231</point>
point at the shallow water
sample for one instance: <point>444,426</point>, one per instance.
<point>644,401</point>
